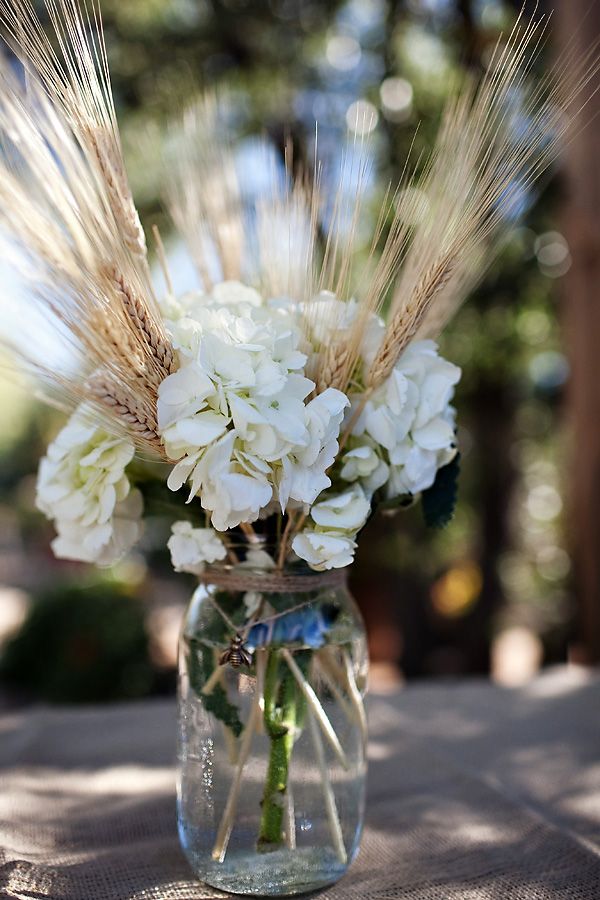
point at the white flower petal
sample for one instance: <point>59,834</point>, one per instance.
<point>324,550</point>
<point>347,511</point>
<point>183,394</point>
<point>200,430</point>
<point>434,435</point>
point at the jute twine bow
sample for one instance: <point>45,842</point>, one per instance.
<point>270,582</point>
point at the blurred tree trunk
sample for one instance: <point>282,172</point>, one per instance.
<point>578,22</point>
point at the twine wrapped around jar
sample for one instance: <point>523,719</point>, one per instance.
<point>270,582</point>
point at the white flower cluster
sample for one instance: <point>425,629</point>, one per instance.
<point>83,487</point>
<point>405,432</point>
<point>328,542</point>
<point>234,414</point>
<point>403,435</point>
<point>191,548</point>
<point>236,420</point>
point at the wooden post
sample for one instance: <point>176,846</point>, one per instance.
<point>579,21</point>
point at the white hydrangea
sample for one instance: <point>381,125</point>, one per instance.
<point>189,316</point>
<point>406,430</point>
<point>234,415</point>
<point>191,548</point>
<point>324,549</point>
<point>303,474</point>
<point>364,464</point>
<point>235,418</point>
<point>330,319</point>
<point>83,487</point>
<point>408,422</point>
<point>328,542</point>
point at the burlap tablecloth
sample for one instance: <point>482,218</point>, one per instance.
<point>475,792</point>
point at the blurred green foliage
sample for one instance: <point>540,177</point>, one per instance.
<point>81,643</point>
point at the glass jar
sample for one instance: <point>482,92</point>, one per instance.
<point>272,729</point>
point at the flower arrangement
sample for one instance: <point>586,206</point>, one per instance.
<point>277,390</point>
<point>295,392</point>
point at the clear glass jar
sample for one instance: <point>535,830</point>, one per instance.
<point>272,730</point>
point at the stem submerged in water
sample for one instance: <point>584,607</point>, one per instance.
<point>224,832</point>
<point>280,716</point>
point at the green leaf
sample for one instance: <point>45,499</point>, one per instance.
<point>200,668</point>
<point>439,500</point>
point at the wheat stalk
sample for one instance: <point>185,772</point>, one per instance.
<point>287,223</point>
<point>113,335</point>
<point>131,411</point>
<point>406,321</point>
<point>70,249</point>
<point>203,194</point>
<point>334,366</point>
<point>144,324</point>
<point>117,187</point>
<point>76,79</point>
<point>495,141</point>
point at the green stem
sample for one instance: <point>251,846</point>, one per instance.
<point>280,715</point>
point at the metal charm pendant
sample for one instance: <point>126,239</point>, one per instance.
<point>236,655</point>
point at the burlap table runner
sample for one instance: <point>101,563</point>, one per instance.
<point>475,792</point>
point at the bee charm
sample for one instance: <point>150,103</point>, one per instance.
<point>236,655</point>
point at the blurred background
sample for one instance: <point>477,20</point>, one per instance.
<point>514,583</point>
